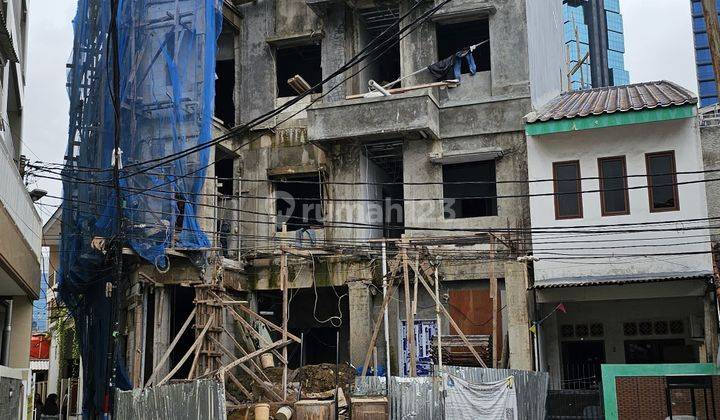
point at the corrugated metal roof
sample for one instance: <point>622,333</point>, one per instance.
<point>619,280</point>
<point>39,364</point>
<point>608,100</point>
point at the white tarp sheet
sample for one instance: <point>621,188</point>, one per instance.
<point>491,401</point>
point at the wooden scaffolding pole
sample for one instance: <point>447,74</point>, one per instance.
<point>419,277</point>
<point>379,320</point>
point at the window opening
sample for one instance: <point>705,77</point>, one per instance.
<point>303,60</point>
<point>662,181</point>
<point>298,202</point>
<point>182,305</point>
<point>383,66</point>
<point>469,189</point>
<point>452,38</point>
<point>613,186</point>
<point>568,187</point>
<point>224,89</point>
<point>385,165</point>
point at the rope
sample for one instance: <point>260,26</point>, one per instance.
<point>389,85</point>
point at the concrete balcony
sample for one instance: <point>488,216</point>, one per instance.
<point>21,233</point>
<point>411,115</point>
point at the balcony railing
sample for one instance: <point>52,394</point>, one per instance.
<point>16,200</point>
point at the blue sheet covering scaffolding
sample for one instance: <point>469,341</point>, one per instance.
<point>167,71</point>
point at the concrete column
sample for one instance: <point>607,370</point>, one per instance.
<point>21,332</point>
<point>361,321</point>
<point>162,328</point>
<point>393,324</point>
<point>333,47</point>
<point>521,355</point>
<point>53,365</point>
<point>419,48</point>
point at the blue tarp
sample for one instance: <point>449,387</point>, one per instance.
<point>167,76</point>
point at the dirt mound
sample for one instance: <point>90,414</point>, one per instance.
<point>320,378</point>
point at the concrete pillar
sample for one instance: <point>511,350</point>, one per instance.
<point>393,325</point>
<point>361,321</point>
<point>162,328</point>
<point>333,46</point>
<point>521,355</point>
<point>21,333</point>
<point>53,365</point>
<point>419,48</point>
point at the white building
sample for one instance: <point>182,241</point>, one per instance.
<point>631,264</point>
<point>20,224</point>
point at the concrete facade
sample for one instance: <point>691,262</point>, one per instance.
<point>20,224</point>
<point>335,138</point>
<point>633,142</point>
<point>710,137</point>
<point>604,291</point>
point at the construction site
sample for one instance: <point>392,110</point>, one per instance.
<point>261,196</point>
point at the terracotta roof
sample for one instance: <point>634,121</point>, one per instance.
<point>607,100</point>
<point>620,280</point>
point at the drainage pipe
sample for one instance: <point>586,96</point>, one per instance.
<point>7,330</point>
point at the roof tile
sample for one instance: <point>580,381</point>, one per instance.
<point>607,100</point>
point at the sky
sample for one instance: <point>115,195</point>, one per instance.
<point>658,45</point>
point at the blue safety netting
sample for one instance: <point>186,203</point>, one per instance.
<point>167,77</point>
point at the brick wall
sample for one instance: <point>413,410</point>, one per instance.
<point>644,399</point>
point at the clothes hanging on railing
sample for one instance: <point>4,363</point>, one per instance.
<point>450,67</point>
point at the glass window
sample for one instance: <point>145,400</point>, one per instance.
<point>568,196</point>
<point>705,72</point>
<point>613,186</point>
<point>616,41</point>
<point>662,183</point>
<point>701,40</point>
<point>702,55</point>
<point>469,189</point>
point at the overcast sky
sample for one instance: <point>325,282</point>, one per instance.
<point>658,45</point>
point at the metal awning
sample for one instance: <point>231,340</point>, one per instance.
<point>621,279</point>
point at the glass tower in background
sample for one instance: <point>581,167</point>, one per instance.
<point>705,73</point>
<point>595,27</point>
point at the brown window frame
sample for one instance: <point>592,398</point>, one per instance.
<point>579,215</point>
<point>671,153</point>
<point>601,177</point>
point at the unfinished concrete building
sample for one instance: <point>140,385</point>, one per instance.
<point>431,168</point>
<point>432,171</point>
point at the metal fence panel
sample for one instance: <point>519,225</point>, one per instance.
<point>369,386</point>
<point>415,399</point>
<point>421,399</point>
<point>531,388</point>
<point>196,400</point>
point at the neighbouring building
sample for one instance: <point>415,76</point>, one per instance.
<point>595,27</point>
<point>623,271</point>
<point>703,61</point>
<point>20,224</point>
<point>61,369</point>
